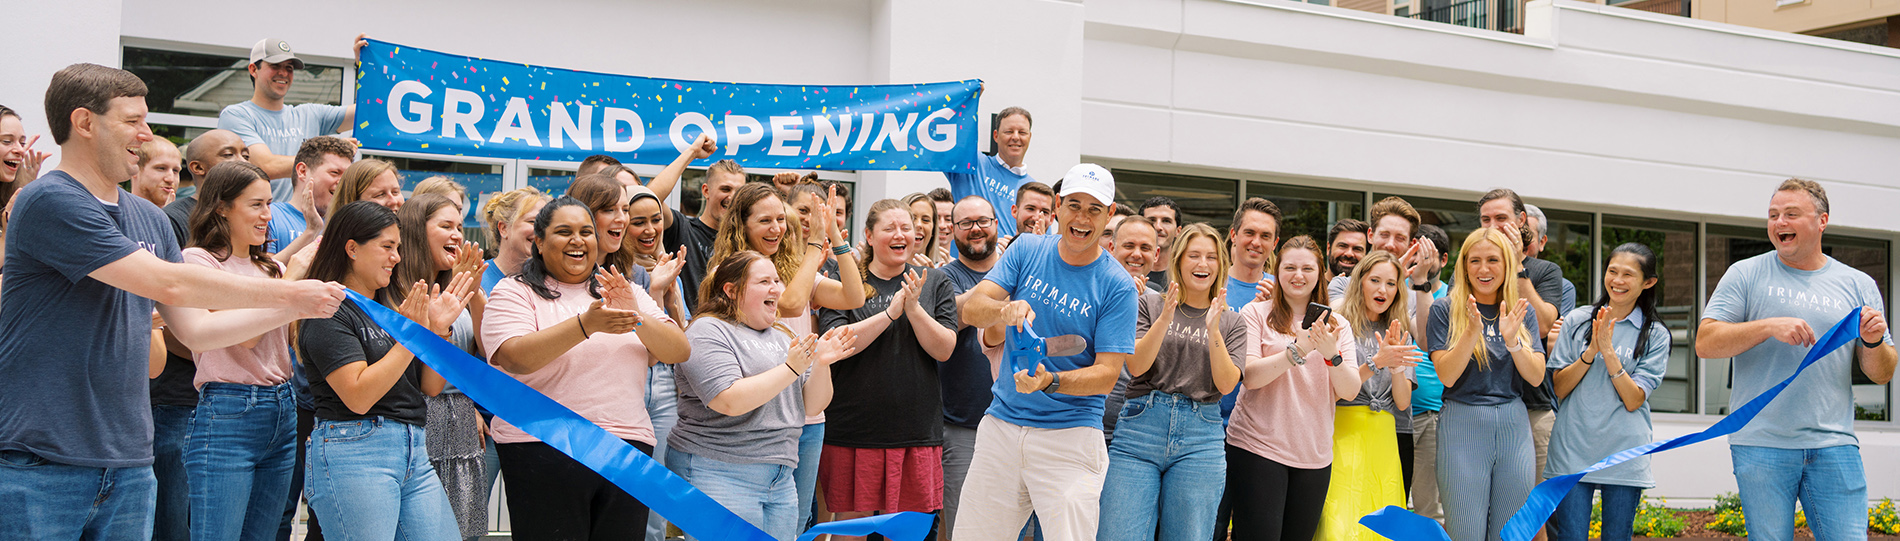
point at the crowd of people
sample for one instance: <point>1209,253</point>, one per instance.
<point>1200,384</point>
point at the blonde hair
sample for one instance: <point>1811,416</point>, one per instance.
<point>355,179</point>
<point>507,208</point>
<point>930,240</point>
<point>1179,250</point>
<point>444,186</point>
<point>150,148</point>
<point>1461,289</point>
<point>1353,305</point>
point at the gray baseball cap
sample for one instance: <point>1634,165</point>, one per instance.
<point>274,50</point>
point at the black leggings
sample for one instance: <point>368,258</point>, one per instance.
<point>1405,461</point>
<point>553,496</point>
<point>1271,501</point>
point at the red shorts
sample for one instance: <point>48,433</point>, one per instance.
<point>882,480</point>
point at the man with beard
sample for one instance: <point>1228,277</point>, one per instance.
<point>1035,202</point>
<point>1345,244</point>
<point>967,375</point>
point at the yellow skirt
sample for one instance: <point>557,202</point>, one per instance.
<point>1366,474</point>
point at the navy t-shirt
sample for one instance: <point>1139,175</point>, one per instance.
<point>966,376</point>
<point>73,349</point>
<point>1498,382</point>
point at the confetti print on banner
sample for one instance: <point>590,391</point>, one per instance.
<point>421,100</point>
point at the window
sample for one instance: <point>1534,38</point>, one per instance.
<point>1874,258</point>
<point>1309,211</point>
<point>1674,244</point>
<point>1569,247</point>
<point>1202,199</point>
<point>201,84</point>
<point>1725,245</point>
<point>551,181</point>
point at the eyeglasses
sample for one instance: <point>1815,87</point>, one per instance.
<point>974,223</point>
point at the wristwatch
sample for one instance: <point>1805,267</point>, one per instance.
<point>1334,360</point>
<point>1055,383</point>
<point>1523,273</point>
<point>1425,287</point>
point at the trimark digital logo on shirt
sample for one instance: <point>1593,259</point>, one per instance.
<point>761,348</point>
<point>1053,297</point>
<point>1803,298</point>
<point>1196,335</point>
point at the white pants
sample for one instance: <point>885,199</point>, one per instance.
<point>1055,473</point>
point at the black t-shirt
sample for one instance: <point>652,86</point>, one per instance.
<point>888,395</point>
<point>1548,278</point>
<point>1158,280</point>
<point>697,237</point>
<point>173,386</point>
<point>967,375</point>
<point>350,336</point>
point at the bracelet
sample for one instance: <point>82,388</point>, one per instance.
<point>1294,354</point>
<point>583,326</point>
<point>893,318</point>
<point>1870,345</point>
<point>1513,347</point>
<point>788,366</point>
<point>841,249</point>
<point>1619,373</point>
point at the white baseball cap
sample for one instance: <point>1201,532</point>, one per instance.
<point>1090,179</point>
<point>273,50</point>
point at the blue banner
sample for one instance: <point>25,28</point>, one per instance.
<point>623,465</point>
<point>1398,524</point>
<point>418,100</point>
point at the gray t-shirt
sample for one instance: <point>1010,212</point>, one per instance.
<point>723,353</point>
<point>282,131</point>
<point>72,349</point>
<point>1591,421</point>
<point>1182,367</point>
<point>1376,391</point>
<point>1816,410</point>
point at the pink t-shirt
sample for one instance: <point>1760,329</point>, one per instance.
<point>1289,421</point>
<point>603,378</point>
<point>265,364</point>
<point>802,325</point>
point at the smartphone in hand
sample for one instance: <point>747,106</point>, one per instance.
<point>1314,311</point>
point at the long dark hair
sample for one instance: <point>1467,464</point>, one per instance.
<point>223,184</point>
<point>534,271</point>
<point>1646,301</point>
<point>418,256</point>
<point>361,221</point>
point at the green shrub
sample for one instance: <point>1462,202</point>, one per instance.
<point>1655,520</point>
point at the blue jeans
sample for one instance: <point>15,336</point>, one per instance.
<point>762,494</point>
<point>1571,521</point>
<point>239,456</point>
<point>376,472</point>
<point>811,443</point>
<point>1168,449</point>
<point>663,408</point>
<point>1829,482</point>
<point>42,499</point>
<point>171,520</point>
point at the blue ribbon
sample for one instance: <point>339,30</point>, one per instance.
<point>1401,525</point>
<point>633,471</point>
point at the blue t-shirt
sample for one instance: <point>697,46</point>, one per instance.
<point>1591,421</point>
<point>286,223</point>
<point>491,277</point>
<point>73,349</point>
<point>1816,410</point>
<point>1239,293</point>
<point>1092,301</point>
<point>1496,383</point>
<point>996,183</point>
<point>965,376</point>
<point>282,131</point>
<point>1430,394</point>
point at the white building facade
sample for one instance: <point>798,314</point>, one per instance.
<point>1622,125</point>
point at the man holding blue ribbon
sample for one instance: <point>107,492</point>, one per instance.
<point>1766,312</point>
<point>1039,447</point>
